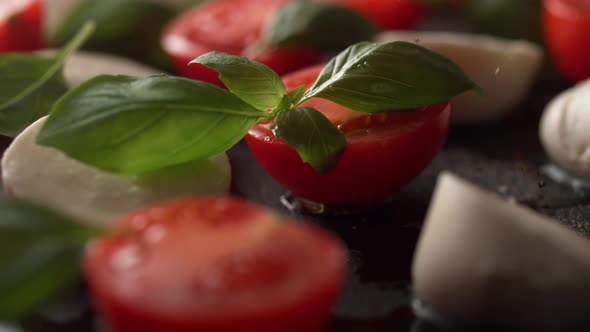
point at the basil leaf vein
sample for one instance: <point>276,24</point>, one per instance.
<point>312,135</point>
<point>252,81</point>
<point>133,126</point>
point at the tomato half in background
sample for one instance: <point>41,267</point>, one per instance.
<point>21,25</point>
<point>566,27</point>
<point>389,14</point>
<point>384,151</point>
<point>230,26</point>
<point>214,264</point>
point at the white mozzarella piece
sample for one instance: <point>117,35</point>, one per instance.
<point>484,259</point>
<point>565,129</point>
<point>83,65</point>
<point>504,69</point>
<point>48,177</point>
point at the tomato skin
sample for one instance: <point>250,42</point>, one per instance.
<point>566,26</point>
<point>21,25</point>
<point>371,168</point>
<point>390,14</point>
<point>214,264</point>
<point>231,26</point>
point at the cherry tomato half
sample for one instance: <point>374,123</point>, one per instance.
<point>20,25</point>
<point>214,264</point>
<point>390,14</point>
<point>567,26</point>
<point>384,151</point>
<point>231,26</point>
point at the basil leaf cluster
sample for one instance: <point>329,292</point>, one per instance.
<point>134,125</point>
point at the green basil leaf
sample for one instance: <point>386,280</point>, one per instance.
<point>30,84</point>
<point>252,81</point>
<point>314,137</point>
<point>377,77</point>
<point>318,25</point>
<point>291,99</point>
<point>40,254</point>
<point>134,125</point>
<point>131,28</point>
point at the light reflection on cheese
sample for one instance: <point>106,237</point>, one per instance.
<point>483,259</point>
<point>504,69</point>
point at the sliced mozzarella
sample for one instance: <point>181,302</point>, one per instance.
<point>483,259</point>
<point>83,65</point>
<point>565,129</point>
<point>504,69</point>
<point>47,176</point>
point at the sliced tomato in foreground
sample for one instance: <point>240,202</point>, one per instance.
<point>384,151</point>
<point>566,27</point>
<point>214,264</point>
<point>230,26</point>
<point>20,25</point>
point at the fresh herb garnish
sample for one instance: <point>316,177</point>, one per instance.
<point>318,25</point>
<point>136,125</point>
<point>30,84</point>
<point>40,254</point>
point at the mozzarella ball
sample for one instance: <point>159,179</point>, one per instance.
<point>48,177</point>
<point>483,259</point>
<point>565,129</point>
<point>504,69</point>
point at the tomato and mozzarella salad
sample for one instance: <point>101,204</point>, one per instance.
<point>237,27</point>
<point>384,150</point>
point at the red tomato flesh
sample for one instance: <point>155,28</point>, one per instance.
<point>566,27</point>
<point>214,264</point>
<point>230,26</point>
<point>384,151</point>
<point>20,25</point>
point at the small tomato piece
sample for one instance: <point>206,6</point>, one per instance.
<point>384,151</point>
<point>21,25</point>
<point>566,26</point>
<point>214,264</point>
<point>230,26</point>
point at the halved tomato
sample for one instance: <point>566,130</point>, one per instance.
<point>384,151</point>
<point>389,14</point>
<point>230,26</point>
<point>214,264</point>
<point>566,26</point>
<point>20,25</point>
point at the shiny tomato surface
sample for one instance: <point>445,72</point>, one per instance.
<point>384,151</point>
<point>21,25</point>
<point>214,264</point>
<point>230,26</point>
<point>566,27</point>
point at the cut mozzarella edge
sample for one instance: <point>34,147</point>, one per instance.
<point>48,177</point>
<point>82,66</point>
<point>504,69</point>
<point>484,259</point>
<point>564,129</point>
